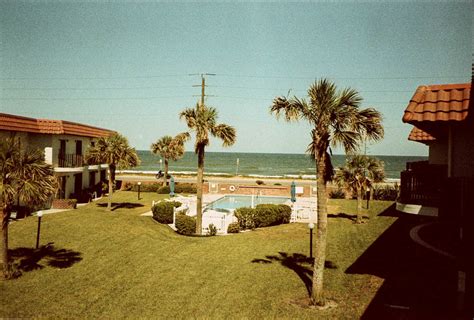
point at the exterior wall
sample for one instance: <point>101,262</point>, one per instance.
<point>463,151</point>
<point>263,190</point>
<point>70,145</point>
<point>438,152</point>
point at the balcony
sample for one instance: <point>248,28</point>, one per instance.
<point>70,160</point>
<point>421,188</point>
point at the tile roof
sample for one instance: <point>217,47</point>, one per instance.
<point>419,135</point>
<point>10,122</point>
<point>446,102</point>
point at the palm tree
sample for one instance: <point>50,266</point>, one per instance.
<point>170,148</point>
<point>202,120</point>
<point>359,174</point>
<point>337,121</point>
<point>25,176</point>
<point>116,152</point>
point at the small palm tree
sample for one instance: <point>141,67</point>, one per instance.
<point>337,121</point>
<point>359,174</point>
<point>202,120</point>
<point>170,148</point>
<point>24,177</point>
<point>116,152</point>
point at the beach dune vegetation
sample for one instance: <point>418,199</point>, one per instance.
<point>336,120</point>
<point>170,148</point>
<point>117,153</point>
<point>203,121</point>
<point>25,178</point>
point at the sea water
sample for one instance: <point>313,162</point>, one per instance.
<point>261,165</point>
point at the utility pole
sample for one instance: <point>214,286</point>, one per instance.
<point>202,85</point>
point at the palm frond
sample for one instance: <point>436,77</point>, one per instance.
<point>224,132</point>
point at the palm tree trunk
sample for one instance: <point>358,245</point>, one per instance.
<point>200,175</point>
<point>317,294</point>
<point>111,186</point>
<point>359,205</point>
<point>165,176</point>
<point>4,255</point>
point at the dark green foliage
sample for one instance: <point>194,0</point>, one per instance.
<point>158,188</point>
<point>387,192</point>
<point>263,215</point>
<point>337,194</point>
<point>277,184</point>
<point>163,211</point>
<point>234,227</point>
<point>212,230</point>
<point>259,182</point>
<point>246,217</point>
<point>179,188</point>
<point>185,224</point>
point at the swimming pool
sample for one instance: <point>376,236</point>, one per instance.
<point>234,202</point>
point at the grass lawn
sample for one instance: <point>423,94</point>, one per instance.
<point>120,264</point>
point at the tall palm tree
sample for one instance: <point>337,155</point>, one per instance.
<point>337,120</point>
<point>116,152</point>
<point>170,148</point>
<point>202,120</point>
<point>25,176</point>
<point>358,175</point>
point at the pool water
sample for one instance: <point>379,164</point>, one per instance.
<point>234,202</point>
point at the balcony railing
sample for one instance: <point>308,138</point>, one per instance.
<point>422,183</point>
<point>70,160</point>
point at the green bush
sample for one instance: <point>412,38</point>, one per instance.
<point>263,215</point>
<point>386,192</point>
<point>212,230</point>
<point>337,194</point>
<point>234,227</point>
<point>246,217</point>
<point>259,182</point>
<point>185,224</point>
<point>163,211</point>
<point>179,188</point>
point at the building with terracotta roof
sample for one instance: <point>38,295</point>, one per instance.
<point>64,145</point>
<point>443,186</point>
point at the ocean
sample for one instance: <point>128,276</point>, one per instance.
<point>269,165</point>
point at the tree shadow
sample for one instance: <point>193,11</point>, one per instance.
<point>301,264</point>
<point>417,283</point>
<point>29,259</point>
<point>122,205</point>
<point>352,217</point>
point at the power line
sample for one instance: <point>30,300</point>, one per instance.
<point>94,88</point>
<point>93,78</point>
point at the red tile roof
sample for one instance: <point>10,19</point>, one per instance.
<point>10,122</point>
<point>447,102</point>
<point>419,135</point>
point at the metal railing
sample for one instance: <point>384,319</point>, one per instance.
<point>422,184</point>
<point>70,160</point>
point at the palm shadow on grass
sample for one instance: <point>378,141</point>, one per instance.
<point>122,205</point>
<point>342,215</point>
<point>29,259</point>
<point>301,264</point>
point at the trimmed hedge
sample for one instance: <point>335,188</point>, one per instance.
<point>159,188</point>
<point>234,227</point>
<point>264,215</point>
<point>163,211</point>
<point>179,188</point>
<point>185,224</point>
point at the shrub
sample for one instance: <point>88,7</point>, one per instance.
<point>185,224</point>
<point>212,230</point>
<point>246,217</point>
<point>234,227</point>
<point>386,192</point>
<point>337,194</point>
<point>179,188</point>
<point>163,211</point>
<point>277,184</point>
<point>259,182</point>
<point>263,215</point>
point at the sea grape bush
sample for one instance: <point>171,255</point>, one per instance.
<point>163,211</point>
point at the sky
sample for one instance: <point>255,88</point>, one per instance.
<point>132,66</point>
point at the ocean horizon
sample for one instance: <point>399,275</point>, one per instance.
<point>262,165</point>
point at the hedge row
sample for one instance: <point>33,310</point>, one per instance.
<point>163,211</point>
<point>159,188</point>
<point>264,215</point>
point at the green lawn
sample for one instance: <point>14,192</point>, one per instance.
<point>120,264</point>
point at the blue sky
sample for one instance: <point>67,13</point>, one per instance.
<point>126,66</point>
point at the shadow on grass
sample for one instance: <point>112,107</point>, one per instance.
<point>352,217</point>
<point>418,284</point>
<point>301,264</point>
<point>28,259</point>
<point>123,205</point>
